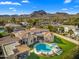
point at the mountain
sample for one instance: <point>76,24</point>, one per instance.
<point>38,13</point>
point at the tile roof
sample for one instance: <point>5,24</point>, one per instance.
<point>24,33</point>
<point>21,34</point>
<point>6,40</point>
<point>22,48</point>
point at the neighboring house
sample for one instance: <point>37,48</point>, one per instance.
<point>16,27</point>
<point>44,23</point>
<point>10,48</point>
<point>33,35</point>
<point>12,25</point>
<point>76,32</point>
<point>56,24</point>
<point>75,29</point>
<point>24,24</point>
<point>68,27</point>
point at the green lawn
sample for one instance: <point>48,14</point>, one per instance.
<point>65,45</point>
<point>3,32</point>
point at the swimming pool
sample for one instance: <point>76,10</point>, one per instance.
<point>47,49</point>
<point>43,47</point>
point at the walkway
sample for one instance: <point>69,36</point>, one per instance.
<point>66,38</point>
<point>31,51</point>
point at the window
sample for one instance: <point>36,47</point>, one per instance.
<point>31,41</point>
<point>34,40</point>
<point>1,51</point>
<point>21,42</point>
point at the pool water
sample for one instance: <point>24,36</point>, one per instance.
<point>1,30</point>
<point>43,47</point>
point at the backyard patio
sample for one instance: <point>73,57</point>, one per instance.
<point>65,46</point>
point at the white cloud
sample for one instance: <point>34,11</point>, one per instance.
<point>25,1</point>
<point>13,9</point>
<point>64,9</point>
<point>67,1</point>
<point>9,3</point>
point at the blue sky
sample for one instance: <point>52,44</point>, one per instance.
<point>28,6</point>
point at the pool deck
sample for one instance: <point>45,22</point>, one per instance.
<point>53,50</point>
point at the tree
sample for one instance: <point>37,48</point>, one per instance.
<point>2,22</point>
<point>9,29</point>
<point>1,35</point>
<point>52,28</point>
<point>61,29</point>
<point>13,20</point>
<point>70,32</point>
